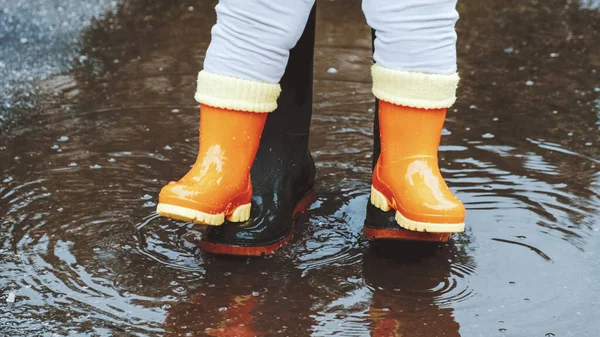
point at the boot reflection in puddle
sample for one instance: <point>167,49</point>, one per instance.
<point>217,308</point>
<point>406,283</point>
<point>237,320</point>
<point>263,297</point>
<point>213,314</point>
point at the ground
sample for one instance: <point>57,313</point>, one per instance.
<point>97,113</point>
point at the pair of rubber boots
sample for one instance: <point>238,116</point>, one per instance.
<point>245,156</point>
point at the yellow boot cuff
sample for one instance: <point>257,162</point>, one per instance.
<point>235,93</point>
<point>412,89</point>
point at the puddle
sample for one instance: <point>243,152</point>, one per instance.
<point>84,253</point>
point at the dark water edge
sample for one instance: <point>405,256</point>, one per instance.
<point>83,157</point>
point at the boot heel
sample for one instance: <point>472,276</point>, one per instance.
<point>379,200</point>
<point>240,214</point>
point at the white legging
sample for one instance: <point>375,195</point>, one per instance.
<point>252,38</point>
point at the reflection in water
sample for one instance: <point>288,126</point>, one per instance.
<point>85,254</point>
<point>413,287</point>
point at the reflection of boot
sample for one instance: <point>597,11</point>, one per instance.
<point>283,173</point>
<point>382,325</point>
<point>405,295</point>
<point>218,185</point>
<point>237,320</point>
<point>407,176</point>
<point>213,313</point>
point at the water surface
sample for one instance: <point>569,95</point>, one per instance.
<point>81,166</point>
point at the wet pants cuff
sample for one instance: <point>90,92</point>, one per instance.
<point>236,94</point>
<point>412,89</point>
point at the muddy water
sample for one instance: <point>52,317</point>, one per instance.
<point>85,254</point>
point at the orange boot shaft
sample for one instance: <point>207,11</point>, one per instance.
<point>218,186</point>
<point>407,176</point>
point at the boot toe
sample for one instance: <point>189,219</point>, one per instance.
<point>446,211</point>
<point>174,190</point>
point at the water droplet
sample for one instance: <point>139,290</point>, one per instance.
<point>24,40</point>
<point>554,54</point>
<point>95,166</point>
<point>60,209</point>
<point>221,309</point>
<point>111,160</point>
<point>63,139</point>
<point>495,119</point>
<point>488,135</point>
<point>332,70</point>
<point>255,293</point>
<point>11,298</point>
<point>472,106</point>
<point>146,197</point>
<point>175,111</point>
<point>446,132</point>
<point>7,180</point>
<point>72,164</point>
<point>509,50</point>
<point>191,8</point>
<point>529,82</point>
<point>168,148</point>
<point>502,330</point>
<point>511,282</point>
<point>597,89</point>
<point>570,134</point>
<point>54,147</point>
<point>549,334</point>
<point>588,144</point>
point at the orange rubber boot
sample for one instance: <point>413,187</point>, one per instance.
<point>218,186</point>
<point>407,176</point>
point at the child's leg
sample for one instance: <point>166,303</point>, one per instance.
<point>415,80</point>
<point>414,35</point>
<point>252,38</point>
<point>237,88</point>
